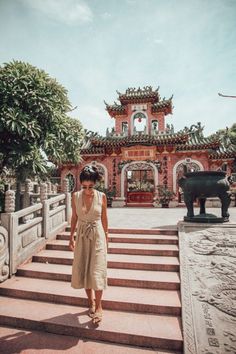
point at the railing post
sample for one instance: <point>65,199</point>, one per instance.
<point>49,185</point>
<point>65,188</point>
<point>45,210</point>
<point>26,199</point>
<point>8,236</point>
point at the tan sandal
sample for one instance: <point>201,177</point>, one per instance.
<point>97,317</point>
<point>92,309</point>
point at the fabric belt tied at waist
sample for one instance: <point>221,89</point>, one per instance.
<point>88,229</point>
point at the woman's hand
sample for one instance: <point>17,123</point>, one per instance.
<point>107,242</point>
<point>72,245</point>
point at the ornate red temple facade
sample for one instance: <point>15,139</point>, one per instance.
<point>142,152</point>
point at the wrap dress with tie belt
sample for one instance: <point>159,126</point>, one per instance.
<point>89,269</point>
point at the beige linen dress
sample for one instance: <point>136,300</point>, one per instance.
<point>89,268</point>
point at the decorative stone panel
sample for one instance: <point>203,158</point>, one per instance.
<point>4,254</point>
<point>208,287</point>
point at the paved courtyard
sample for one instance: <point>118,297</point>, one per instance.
<point>151,218</point>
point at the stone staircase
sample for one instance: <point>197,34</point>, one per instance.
<point>141,305</point>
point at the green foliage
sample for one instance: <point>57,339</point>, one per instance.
<point>232,134</point>
<point>34,126</point>
<point>110,193</point>
<point>227,136</point>
<point>165,195</point>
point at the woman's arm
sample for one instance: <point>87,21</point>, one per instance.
<point>104,217</point>
<point>74,219</point>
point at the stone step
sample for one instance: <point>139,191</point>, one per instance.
<point>114,298</point>
<point>54,343</point>
<point>125,248</point>
<point>114,260</point>
<point>117,277</point>
<point>144,249</point>
<point>157,231</point>
<point>149,239</point>
<point>146,330</point>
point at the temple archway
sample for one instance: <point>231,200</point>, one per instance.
<point>178,171</point>
<point>138,182</point>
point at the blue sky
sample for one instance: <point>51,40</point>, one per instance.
<point>95,47</point>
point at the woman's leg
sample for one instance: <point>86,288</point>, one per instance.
<point>90,297</point>
<point>98,300</point>
<point>98,312</point>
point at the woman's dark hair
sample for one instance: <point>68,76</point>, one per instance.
<point>90,173</point>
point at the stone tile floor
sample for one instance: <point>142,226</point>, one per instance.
<point>151,218</point>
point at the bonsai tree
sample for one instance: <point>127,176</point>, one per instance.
<point>34,126</point>
<point>165,195</point>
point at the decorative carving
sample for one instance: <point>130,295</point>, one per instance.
<point>4,254</point>
<point>55,187</point>
<point>209,243</point>
<point>165,171</point>
<point>49,184</point>
<point>221,296</point>
<point>10,201</point>
<point>208,274</point>
<point>65,185</point>
<point>43,192</point>
<point>139,165</point>
<point>28,185</point>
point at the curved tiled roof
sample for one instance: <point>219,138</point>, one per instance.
<point>115,109</point>
<point>164,105</point>
<point>142,139</point>
<point>138,95</point>
<point>218,146</point>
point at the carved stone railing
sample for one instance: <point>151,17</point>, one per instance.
<point>24,232</point>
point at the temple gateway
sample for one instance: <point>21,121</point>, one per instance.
<point>142,153</point>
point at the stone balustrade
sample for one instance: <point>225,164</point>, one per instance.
<point>24,232</point>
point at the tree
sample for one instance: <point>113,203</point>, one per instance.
<point>232,134</point>
<point>34,126</point>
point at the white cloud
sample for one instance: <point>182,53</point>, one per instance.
<point>158,40</point>
<point>106,15</point>
<point>66,11</point>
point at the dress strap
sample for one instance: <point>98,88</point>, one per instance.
<point>77,200</point>
<point>99,194</point>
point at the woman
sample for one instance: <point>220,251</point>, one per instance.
<point>89,213</point>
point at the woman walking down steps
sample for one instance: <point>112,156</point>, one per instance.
<point>89,214</point>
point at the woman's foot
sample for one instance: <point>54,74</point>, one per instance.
<point>97,317</point>
<point>92,308</point>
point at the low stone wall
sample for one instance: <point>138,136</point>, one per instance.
<point>208,287</point>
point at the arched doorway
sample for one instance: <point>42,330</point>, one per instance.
<point>71,179</point>
<point>139,123</point>
<point>178,172</point>
<point>139,184</point>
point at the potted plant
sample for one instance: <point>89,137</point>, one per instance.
<point>110,193</point>
<point>165,195</point>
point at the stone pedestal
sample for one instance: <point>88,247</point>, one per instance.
<point>173,204</point>
<point>118,202</point>
<point>208,287</point>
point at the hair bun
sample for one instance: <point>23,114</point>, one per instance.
<point>90,172</point>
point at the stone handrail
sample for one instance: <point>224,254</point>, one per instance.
<point>24,232</point>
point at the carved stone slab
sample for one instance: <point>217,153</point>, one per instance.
<point>208,287</point>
